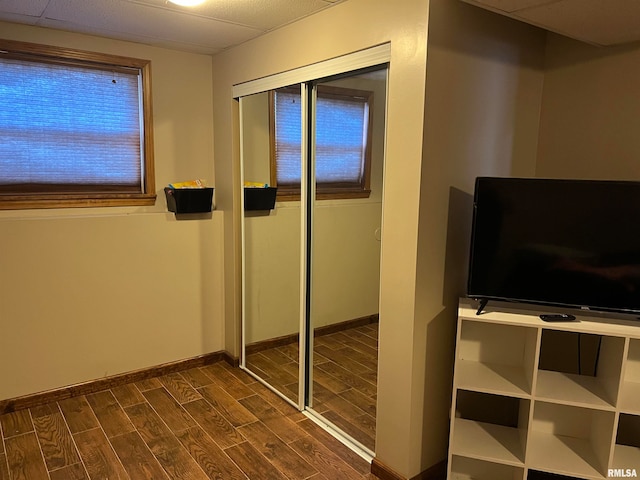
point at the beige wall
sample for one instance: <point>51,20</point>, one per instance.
<point>591,104</point>
<point>483,93</point>
<point>346,271</point>
<point>91,292</point>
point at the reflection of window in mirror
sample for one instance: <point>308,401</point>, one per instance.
<point>343,142</point>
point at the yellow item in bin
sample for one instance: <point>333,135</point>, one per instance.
<point>256,185</point>
<point>190,184</point>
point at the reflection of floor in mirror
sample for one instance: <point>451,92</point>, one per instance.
<point>345,377</point>
<point>278,366</point>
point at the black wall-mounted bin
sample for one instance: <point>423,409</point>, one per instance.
<point>260,198</point>
<point>189,200</point>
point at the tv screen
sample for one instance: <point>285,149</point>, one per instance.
<point>570,243</point>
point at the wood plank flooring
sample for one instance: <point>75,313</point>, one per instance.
<point>212,422</point>
<point>344,377</point>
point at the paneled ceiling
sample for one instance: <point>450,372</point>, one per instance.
<point>208,28</point>
<point>220,24</point>
<point>599,22</point>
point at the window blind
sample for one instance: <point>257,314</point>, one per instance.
<point>69,125</point>
<point>287,137</point>
<point>341,136</point>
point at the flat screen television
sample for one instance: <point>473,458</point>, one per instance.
<point>566,243</point>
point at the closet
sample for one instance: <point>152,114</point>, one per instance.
<point>312,150</point>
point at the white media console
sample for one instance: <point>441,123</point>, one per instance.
<point>513,420</point>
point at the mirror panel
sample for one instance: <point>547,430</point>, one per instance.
<point>333,285</point>
<point>271,261</point>
<point>345,267</point>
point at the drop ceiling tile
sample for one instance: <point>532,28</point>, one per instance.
<point>216,25</point>
<point>261,14</point>
<point>599,22</point>
<point>31,8</point>
<point>190,45</point>
<point>126,20</point>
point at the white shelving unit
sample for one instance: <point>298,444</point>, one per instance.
<point>512,420</point>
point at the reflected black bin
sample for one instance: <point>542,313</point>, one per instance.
<point>260,198</point>
<point>189,200</point>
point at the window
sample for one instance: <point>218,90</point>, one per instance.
<point>343,142</point>
<point>75,128</point>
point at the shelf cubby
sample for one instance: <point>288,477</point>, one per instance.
<point>496,358</point>
<point>463,468</point>
<point>534,400</point>
<point>630,394</point>
<point>627,447</point>
<point>569,440</point>
<point>584,371</point>
<point>490,427</point>
<point>537,475</point>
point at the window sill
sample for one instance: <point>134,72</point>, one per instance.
<point>285,196</point>
<point>21,202</point>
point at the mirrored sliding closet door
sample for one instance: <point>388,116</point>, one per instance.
<point>272,249</point>
<point>348,153</point>
<point>312,177</point>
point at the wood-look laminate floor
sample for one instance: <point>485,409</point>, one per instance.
<point>345,366</point>
<point>212,422</point>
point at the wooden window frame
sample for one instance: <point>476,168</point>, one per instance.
<point>326,190</point>
<point>10,199</point>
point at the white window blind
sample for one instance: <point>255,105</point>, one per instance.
<point>69,128</point>
<point>341,137</point>
<point>342,120</point>
<point>287,137</point>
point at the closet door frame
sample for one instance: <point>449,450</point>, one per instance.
<point>304,76</point>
